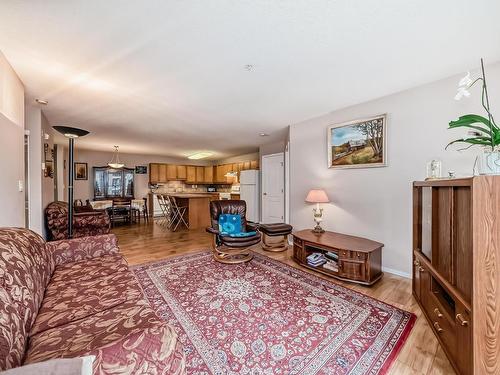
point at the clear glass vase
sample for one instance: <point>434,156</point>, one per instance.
<point>488,162</point>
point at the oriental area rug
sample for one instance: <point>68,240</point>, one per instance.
<point>265,317</point>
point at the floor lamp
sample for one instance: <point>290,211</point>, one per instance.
<point>71,134</point>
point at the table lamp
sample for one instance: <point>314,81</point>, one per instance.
<point>317,196</point>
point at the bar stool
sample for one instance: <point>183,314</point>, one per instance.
<point>166,211</point>
<point>177,213</point>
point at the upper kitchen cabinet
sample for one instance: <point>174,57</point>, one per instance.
<point>200,175</point>
<point>171,172</point>
<point>181,172</point>
<point>208,175</point>
<point>153,173</point>
<point>191,174</point>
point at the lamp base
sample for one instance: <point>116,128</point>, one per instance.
<point>317,229</point>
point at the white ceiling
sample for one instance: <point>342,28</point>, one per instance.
<point>168,77</point>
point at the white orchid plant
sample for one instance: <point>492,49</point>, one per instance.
<point>485,131</point>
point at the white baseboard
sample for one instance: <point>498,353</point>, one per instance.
<point>396,272</point>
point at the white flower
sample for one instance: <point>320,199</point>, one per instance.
<point>465,81</point>
<point>462,91</point>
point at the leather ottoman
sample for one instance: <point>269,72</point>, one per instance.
<point>275,230</point>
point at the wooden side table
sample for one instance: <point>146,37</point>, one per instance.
<point>351,258</point>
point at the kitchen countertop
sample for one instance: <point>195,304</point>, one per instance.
<point>190,195</point>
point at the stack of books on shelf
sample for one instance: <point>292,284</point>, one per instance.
<point>331,262</point>
<point>316,259</point>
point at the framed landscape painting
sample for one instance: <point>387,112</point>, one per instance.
<point>358,144</point>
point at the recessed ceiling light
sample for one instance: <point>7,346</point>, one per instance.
<point>200,155</point>
<point>41,101</point>
<point>263,134</point>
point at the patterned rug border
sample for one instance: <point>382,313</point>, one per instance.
<point>389,361</point>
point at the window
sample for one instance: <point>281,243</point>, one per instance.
<point>113,183</point>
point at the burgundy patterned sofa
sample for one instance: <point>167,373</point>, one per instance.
<point>74,298</point>
<point>88,223</point>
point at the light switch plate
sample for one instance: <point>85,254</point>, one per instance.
<point>20,185</point>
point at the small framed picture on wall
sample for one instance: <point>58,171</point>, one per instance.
<point>141,169</point>
<point>81,171</point>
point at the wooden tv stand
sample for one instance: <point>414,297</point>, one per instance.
<point>359,259</point>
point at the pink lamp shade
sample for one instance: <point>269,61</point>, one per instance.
<point>317,196</point>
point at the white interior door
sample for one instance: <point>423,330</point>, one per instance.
<point>273,188</point>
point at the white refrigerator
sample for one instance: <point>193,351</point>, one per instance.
<point>250,193</point>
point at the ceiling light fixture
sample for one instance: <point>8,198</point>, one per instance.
<point>264,134</point>
<point>115,160</point>
<point>248,67</point>
<point>41,101</point>
<point>200,155</point>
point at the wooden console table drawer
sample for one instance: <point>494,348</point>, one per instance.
<point>359,260</point>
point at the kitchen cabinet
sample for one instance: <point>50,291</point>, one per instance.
<point>153,173</point>
<point>200,174</point>
<point>219,174</point>
<point>181,172</point>
<point>208,176</point>
<point>171,172</point>
<point>162,173</point>
<point>191,174</point>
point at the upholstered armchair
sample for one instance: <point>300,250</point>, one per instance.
<point>232,249</point>
<point>88,223</point>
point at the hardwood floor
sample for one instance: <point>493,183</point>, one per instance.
<point>422,354</point>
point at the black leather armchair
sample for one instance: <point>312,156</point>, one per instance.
<point>232,249</point>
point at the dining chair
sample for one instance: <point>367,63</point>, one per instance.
<point>121,210</point>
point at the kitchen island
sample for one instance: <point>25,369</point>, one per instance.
<point>198,207</point>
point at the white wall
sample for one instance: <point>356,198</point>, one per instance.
<point>84,189</point>
<point>376,202</point>
<point>11,146</point>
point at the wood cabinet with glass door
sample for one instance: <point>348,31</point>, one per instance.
<point>456,237</point>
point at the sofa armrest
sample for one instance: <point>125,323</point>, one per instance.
<point>91,219</point>
<point>155,348</point>
<point>77,249</point>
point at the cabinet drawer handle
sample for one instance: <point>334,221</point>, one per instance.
<point>416,262</point>
<point>421,269</point>
<point>438,313</point>
<point>438,327</point>
<point>460,319</point>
